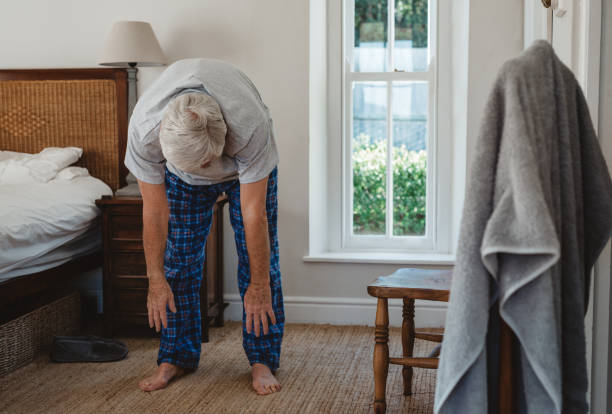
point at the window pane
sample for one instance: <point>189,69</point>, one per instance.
<point>369,157</point>
<point>410,107</point>
<point>370,36</point>
<point>410,49</point>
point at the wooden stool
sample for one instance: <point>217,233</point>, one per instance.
<point>407,284</point>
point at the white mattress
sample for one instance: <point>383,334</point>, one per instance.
<point>89,242</point>
<point>38,222</point>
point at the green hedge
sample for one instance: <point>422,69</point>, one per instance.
<point>369,183</point>
<point>410,21</point>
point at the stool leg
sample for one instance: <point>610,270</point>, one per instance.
<point>408,342</point>
<point>381,355</point>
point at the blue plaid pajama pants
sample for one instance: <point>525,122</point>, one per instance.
<point>191,209</point>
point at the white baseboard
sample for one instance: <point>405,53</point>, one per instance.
<point>345,311</point>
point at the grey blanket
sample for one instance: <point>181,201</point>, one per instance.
<point>537,213</point>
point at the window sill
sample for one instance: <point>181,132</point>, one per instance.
<point>383,258</point>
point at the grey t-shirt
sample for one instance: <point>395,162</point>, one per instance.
<point>250,152</point>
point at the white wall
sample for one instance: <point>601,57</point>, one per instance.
<point>496,35</point>
<point>269,40</point>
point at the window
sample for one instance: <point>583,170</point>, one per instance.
<point>387,165</point>
<point>389,125</point>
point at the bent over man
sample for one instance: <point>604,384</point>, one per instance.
<point>201,130</point>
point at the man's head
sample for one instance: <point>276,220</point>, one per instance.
<point>192,133</point>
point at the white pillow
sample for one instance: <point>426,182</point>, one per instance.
<point>18,167</point>
<point>40,169</point>
<point>6,156</point>
<point>61,157</point>
<point>12,155</point>
<point>14,172</point>
<point>72,172</point>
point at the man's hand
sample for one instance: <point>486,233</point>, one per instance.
<point>258,306</point>
<point>160,295</point>
<point>258,298</point>
<point>154,232</point>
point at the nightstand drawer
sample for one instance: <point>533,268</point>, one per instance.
<point>126,227</point>
<point>130,282</point>
<point>125,281</point>
<point>130,300</point>
<point>128,263</point>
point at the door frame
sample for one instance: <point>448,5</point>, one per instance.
<point>589,72</point>
<point>583,57</point>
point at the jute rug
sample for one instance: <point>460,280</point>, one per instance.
<point>324,369</point>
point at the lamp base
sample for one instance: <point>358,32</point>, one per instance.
<point>132,92</point>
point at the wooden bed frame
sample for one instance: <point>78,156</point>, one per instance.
<point>84,108</point>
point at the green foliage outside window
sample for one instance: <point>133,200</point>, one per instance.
<point>410,21</point>
<point>374,14</point>
<point>369,184</point>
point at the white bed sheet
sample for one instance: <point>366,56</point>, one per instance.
<point>89,242</point>
<point>38,218</point>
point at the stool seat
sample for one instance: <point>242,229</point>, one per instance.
<point>407,284</point>
<point>426,284</point>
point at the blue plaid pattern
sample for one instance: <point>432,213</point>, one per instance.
<point>190,219</point>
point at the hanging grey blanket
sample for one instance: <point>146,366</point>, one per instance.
<point>537,213</point>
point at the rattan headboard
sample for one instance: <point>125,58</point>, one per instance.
<point>84,108</point>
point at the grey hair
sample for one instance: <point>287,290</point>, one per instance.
<point>192,131</point>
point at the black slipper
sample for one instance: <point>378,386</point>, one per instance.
<point>87,349</point>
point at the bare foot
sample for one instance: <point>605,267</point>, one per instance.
<point>264,382</point>
<point>164,373</point>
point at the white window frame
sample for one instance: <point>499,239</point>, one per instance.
<point>437,238</point>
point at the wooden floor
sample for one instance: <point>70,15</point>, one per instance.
<point>324,369</point>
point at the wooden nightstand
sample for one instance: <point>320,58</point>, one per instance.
<point>125,278</point>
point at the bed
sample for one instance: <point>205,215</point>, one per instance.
<point>44,224</point>
<point>40,108</point>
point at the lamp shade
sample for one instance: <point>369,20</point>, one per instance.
<point>132,42</point>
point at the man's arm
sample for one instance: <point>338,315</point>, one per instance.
<point>154,233</point>
<point>258,297</point>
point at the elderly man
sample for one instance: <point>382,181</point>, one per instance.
<point>201,130</point>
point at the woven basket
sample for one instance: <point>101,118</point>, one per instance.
<point>26,336</point>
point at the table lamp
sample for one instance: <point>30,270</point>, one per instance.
<point>130,44</point>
